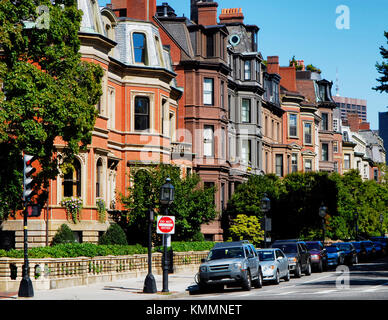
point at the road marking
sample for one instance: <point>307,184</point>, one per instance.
<point>375,287</point>
<point>284,293</point>
<point>323,292</point>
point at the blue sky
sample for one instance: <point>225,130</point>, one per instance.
<point>307,29</point>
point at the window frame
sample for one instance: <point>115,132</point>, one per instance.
<point>144,48</point>
<point>207,92</point>
<point>246,114</point>
<point>292,126</point>
<point>136,114</point>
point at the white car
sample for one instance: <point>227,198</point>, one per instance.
<point>274,265</point>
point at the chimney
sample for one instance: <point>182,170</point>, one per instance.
<point>301,63</point>
<point>354,122</point>
<point>143,10</point>
<point>207,13</point>
<point>288,78</point>
<point>234,15</point>
<point>273,64</point>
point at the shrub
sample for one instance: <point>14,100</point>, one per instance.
<point>114,235</point>
<point>63,235</point>
<point>246,228</point>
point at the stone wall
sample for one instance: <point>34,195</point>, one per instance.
<point>54,273</point>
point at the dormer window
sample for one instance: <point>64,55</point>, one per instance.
<point>247,70</point>
<point>140,47</point>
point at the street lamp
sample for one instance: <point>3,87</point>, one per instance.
<point>149,282</point>
<point>381,224</point>
<point>166,199</point>
<point>265,207</point>
<point>322,214</point>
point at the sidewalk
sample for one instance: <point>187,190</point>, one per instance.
<point>128,289</point>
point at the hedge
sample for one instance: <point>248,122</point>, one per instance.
<point>73,250</point>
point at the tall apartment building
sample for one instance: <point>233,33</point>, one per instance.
<point>351,105</point>
<point>383,130</point>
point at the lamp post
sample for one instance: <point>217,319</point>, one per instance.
<point>149,282</point>
<point>356,224</point>
<point>166,199</point>
<point>265,207</point>
<point>322,214</point>
<point>381,224</point>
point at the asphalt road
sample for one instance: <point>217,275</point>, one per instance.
<point>364,281</point>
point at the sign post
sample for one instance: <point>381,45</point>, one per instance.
<point>165,225</point>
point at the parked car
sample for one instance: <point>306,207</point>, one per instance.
<point>335,256</point>
<point>274,265</point>
<point>350,252</point>
<point>370,249</point>
<point>360,249</point>
<point>299,258</point>
<point>379,247</point>
<point>233,264</point>
<point>383,241</point>
<point>318,255</point>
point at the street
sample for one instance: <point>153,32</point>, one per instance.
<point>360,282</point>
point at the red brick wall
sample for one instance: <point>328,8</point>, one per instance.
<point>288,79</point>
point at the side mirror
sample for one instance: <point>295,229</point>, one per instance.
<point>203,260</point>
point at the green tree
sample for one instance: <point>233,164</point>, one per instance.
<point>47,92</point>
<point>192,206</point>
<point>382,68</point>
<point>63,235</point>
<point>245,227</point>
<point>114,235</point>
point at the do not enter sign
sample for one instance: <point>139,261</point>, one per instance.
<point>166,225</point>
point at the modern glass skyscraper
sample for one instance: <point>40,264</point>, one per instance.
<point>351,105</point>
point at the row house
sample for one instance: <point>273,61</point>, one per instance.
<point>136,124</point>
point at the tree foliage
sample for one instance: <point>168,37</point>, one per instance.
<point>245,227</point>
<point>192,206</point>
<point>382,68</point>
<point>295,202</point>
<point>47,92</point>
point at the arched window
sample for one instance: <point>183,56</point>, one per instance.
<point>99,179</point>
<point>72,181</point>
<point>139,47</point>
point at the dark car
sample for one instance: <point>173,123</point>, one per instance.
<point>383,241</point>
<point>299,258</point>
<point>318,255</point>
<point>350,252</point>
<point>370,249</point>
<point>360,249</point>
<point>335,256</point>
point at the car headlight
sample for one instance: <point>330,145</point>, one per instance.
<point>237,266</point>
<point>268,268</point>
<point>315,256</point>
<point>202,268</point>
<point>293,259</point>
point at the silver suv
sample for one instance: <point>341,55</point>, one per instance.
<point>231,263</point>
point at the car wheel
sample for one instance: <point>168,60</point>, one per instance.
<point>203,286</point>
<point>298,271</point>
<point>308,269</point>
<point>277,277</point>
<point>287,277</point>
<point>247,282</point>
<point>320,266</point>
<point>258,283</point>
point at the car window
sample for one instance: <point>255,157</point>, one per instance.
<point>248,253</point>
<point>253,250</point>
<point>277,253</point>
<point>225,253</point>
<point>331,249</point>
<point>286,247</point>
<point>266,255</point>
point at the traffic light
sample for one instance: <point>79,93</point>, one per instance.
<point>28,181</point>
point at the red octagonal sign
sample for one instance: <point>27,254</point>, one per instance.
<point>166,224</point>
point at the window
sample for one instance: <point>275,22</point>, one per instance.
<point>335,125</point>
<point>99,179</point>
<point>292,125</point>
<point>142,113</point>
<point>258,78</point>
<point>246,110</point>
<point>72,181</point>
<point>294,162</point>
<point>223,144</point>
<point>325,152</point>
<point>246,151</point>
<point>307,131</point>
<point>347,161</point>
<point>335,146</point>
<point>325,122</point>
<point>247,70</point>
<point>308,165</point>
<point>208,141</point>
<point>208,90</point>
<point>222,89</point>
<point>376,174</point>
<point>346,136</point>
<point>210,45</point>
<point>335,166</point>
<point>139,47</point>
<point>279,165</point>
